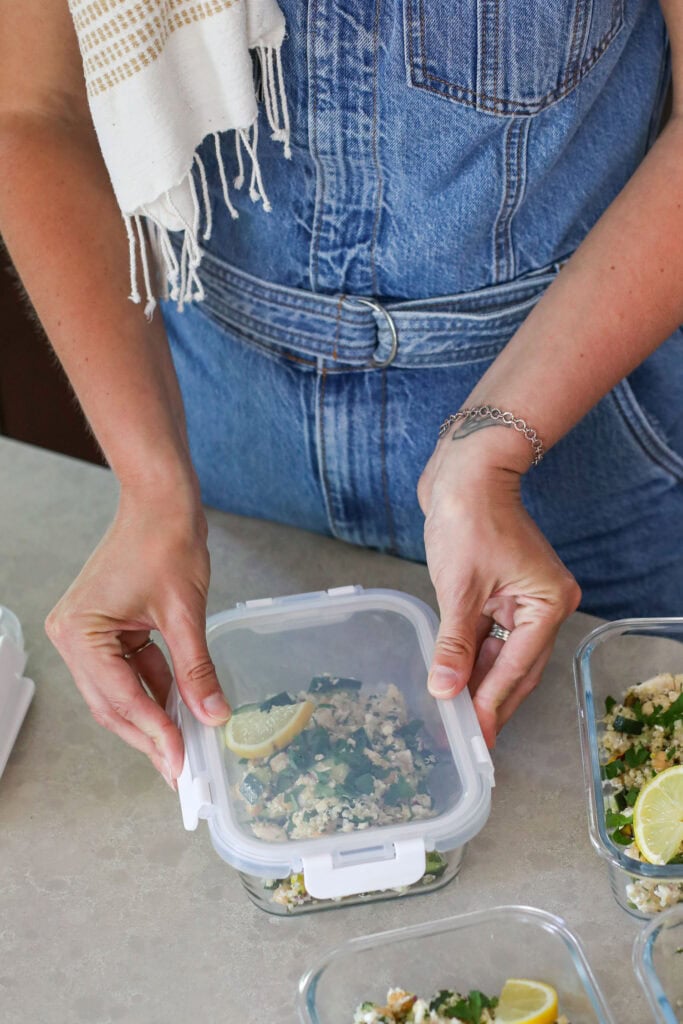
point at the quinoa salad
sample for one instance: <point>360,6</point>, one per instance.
<point>445,1007</point>
<point>642,736</point>
<point>360,761</point>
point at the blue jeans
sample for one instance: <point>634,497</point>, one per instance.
<point>291,419</point>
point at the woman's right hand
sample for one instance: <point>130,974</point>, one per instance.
<point>150,571</point>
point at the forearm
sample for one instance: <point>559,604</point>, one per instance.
<point>616,300</point>
<point>64,231</point>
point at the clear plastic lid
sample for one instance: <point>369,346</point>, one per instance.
<point>376,772</point>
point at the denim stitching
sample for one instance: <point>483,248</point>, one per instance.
<point>515,293</point>
<point>499,105</point>
<point>485,318</point>
<point>471,354</point>
<point>240,285</point>
<point>391,530</point>
<point>320,190</point>
<point>644,434</point>
<point>375,153</point>
<point>500,219</point>
<point>337,330</point>
<point>496,44</point>
<point>324,482</point>
<point>280,336</point>
<point>574,56</point>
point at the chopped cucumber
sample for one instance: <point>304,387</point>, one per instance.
<point>251,788</point>
<point>328,684</point>
<point>630,726</point>
<point>436,864</point>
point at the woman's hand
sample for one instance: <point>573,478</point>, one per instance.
<point>488,560</point>
<point>150,571</point>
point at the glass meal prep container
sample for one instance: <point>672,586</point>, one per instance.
<point>345,812</point>
<point>610,659</point>
<point>658,963</point>
<point>470,951</point>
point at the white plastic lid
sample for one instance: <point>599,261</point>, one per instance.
<point>380,638</point>
<point>16,692</point>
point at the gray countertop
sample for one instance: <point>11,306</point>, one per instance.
<point>110,911</point>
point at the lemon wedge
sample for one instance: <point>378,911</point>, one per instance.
<point>523,1001</point>
<point>658,816</point>
<point>255,733</point>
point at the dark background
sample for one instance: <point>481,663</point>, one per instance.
<point>37,404</point>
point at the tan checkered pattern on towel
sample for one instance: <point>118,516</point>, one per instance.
<point>118,38</point>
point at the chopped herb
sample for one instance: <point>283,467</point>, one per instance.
<point>623,836</point>
<point>285,779</point>
<point>669,717</point>
<point>469,1010</point>
<point>636,756</point>
<point>410,729</point>
<point>613,768</point>
<point>671,753</point>
<point>609,704</point>
<point>317,740</point>
<point>612,819</point>
<point>362,783</point>
<point>398,791</point>
<point>632,795</point>
<point>361,738</point>
<point>441,998</point>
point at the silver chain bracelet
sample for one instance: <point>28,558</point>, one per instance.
<point>489,412</point>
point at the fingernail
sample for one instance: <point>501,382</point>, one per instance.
<point>216,706</point>
<point>442,680</point>
<point>167,775</point>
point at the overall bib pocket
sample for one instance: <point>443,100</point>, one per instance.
<point>505,57</point>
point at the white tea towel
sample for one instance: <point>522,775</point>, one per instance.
<point>161,76</point>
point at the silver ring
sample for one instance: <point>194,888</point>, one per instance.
<point>138,650</point>
<point>499,632</point>
<point>379,308</point>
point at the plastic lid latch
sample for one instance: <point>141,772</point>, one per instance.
<point>331,876</point>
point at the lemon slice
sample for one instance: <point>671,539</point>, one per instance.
<point>257,733</point>
<point>658,816</point>
<point>526,1002</point>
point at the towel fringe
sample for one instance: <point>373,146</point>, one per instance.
<point>181,281</point>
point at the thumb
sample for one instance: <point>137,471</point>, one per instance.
<point>455,651</point>
<point>195,673</point>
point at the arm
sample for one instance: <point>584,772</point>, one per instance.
<point>615,302</point>
<point>62,226</point>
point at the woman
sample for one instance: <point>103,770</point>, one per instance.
<point>483,182</point>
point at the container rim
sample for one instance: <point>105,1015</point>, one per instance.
<point>550,922</point>
<point>590,756</point>
<point>450,829</point>
<point>644,968</point>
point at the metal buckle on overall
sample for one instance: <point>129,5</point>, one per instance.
<point>379,308</point>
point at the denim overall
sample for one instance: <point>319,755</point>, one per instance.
<point>447,157</point>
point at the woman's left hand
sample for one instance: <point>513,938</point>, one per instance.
<point>489,562</point>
